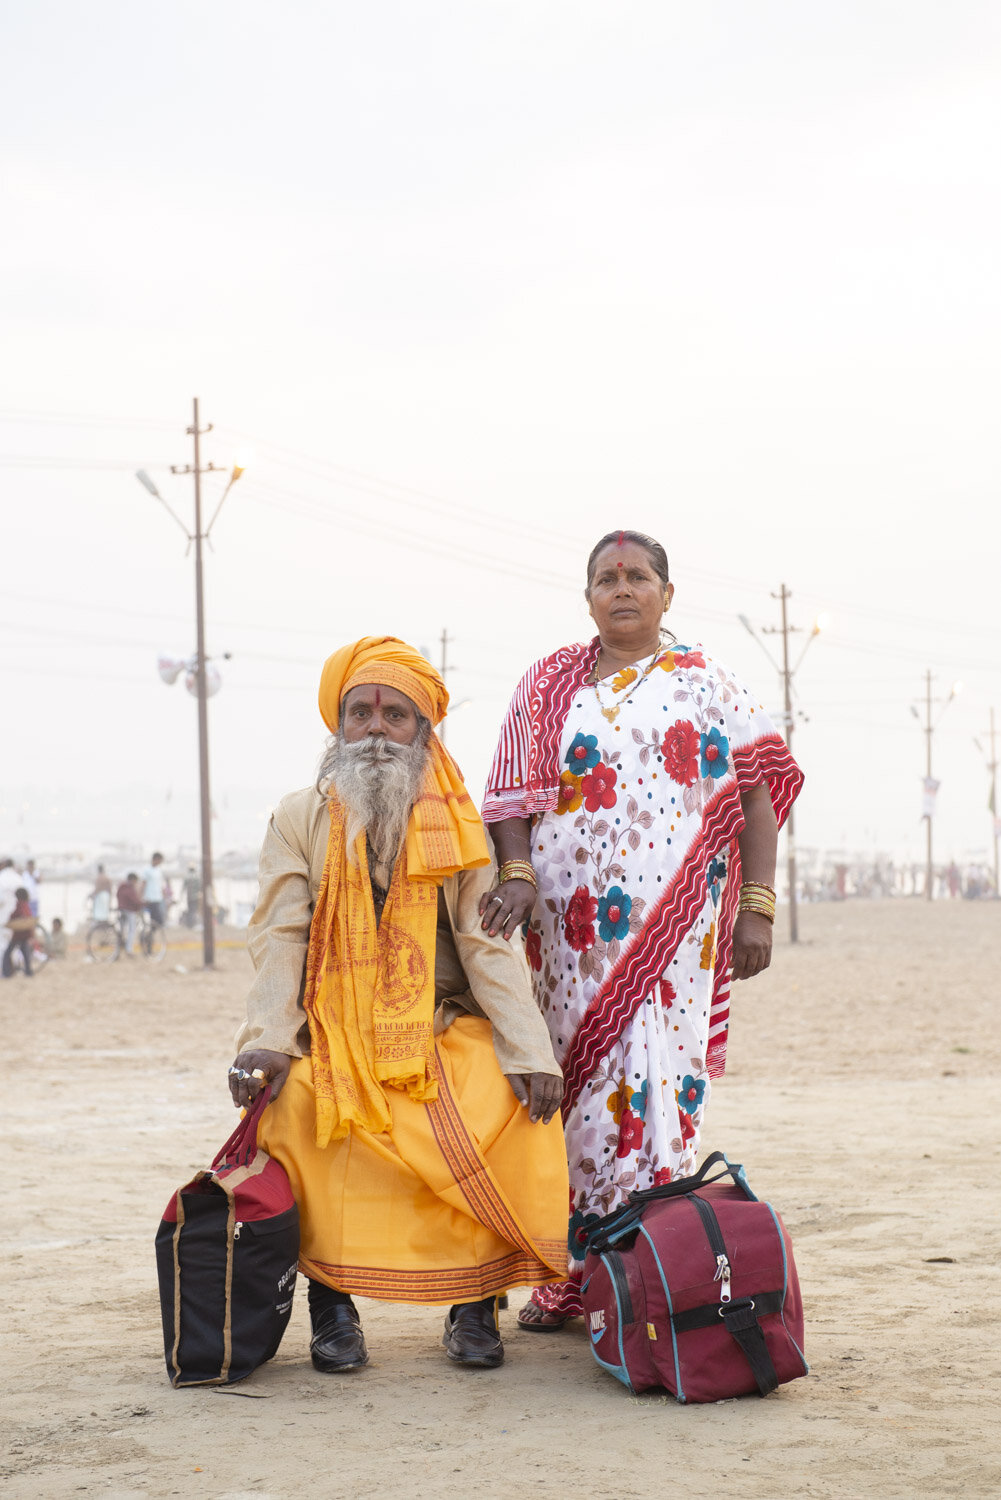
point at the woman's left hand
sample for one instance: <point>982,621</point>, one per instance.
<point>752,944</point>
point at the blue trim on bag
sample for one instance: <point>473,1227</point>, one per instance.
<point>785,1284</point>
<point>740,1177</point>
<point>619,1371</point>
<point>670,1312</point>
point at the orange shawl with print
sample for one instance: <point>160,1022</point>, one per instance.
<point>370,986</point>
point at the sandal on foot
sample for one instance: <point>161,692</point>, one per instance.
<point>536,1324</point>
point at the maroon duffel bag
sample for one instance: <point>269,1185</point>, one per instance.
<point>692,1287</point>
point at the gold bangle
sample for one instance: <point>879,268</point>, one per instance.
<point>760,911</point>
<point>517,869</point>
<point>756,885</point>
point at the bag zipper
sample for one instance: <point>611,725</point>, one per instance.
<point>717,1244</point>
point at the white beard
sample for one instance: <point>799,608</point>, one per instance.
<point>377,784</point>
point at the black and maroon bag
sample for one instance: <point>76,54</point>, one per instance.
<point>692,1287</point>
<point>226,1256</point>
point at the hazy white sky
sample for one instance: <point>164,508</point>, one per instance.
<point>478,282</point>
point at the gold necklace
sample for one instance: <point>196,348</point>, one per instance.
<point>611,714</point>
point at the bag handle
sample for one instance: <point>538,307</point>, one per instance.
<point>701,1178</point>
<point>242,1144</point>
<point>626,1218</point>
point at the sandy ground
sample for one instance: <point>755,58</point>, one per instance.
<point>863,1094</point>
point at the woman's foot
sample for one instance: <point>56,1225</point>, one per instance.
<point>536,1320</point>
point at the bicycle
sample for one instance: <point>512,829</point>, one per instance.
<point>106,941</point>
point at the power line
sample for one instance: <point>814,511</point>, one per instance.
<point>456,552</point>
<point>80,419</point>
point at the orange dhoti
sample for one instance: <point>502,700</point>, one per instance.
<point>462,1197</point>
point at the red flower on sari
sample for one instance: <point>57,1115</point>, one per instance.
<point>578,920</point>
<point>680,750</point>
<point>687,1128</point>
<point>630,1133</point>
<point>599,788</point>
<point>533,949</point>
<point>661,1176</point>
<point>690,659</point>
<point>668,994</point>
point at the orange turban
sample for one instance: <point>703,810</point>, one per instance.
<point>388,661</point>
<point>446,833</point>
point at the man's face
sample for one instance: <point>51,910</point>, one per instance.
<point>375,711</point>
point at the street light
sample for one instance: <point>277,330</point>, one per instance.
<point>198,667</point>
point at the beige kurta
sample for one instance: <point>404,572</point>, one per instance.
<point>474,973</point>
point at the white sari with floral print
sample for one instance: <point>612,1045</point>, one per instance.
<point>634,850</point>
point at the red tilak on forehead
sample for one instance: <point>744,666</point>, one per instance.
<point>378,697</point>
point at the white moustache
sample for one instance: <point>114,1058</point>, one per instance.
<point>375,749</point>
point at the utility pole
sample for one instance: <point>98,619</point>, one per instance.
<point>208,899</point>
<point>784,595</point>
<point>928,731</point>
<point>931,786</point>
<point>787,673</point>
<point>992,766</point>
<point>994,806</point>
<point>198,536</point>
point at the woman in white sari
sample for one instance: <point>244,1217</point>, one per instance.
<point>639,787</point>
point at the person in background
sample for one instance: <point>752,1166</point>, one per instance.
<point>57,939</point>
<point>10,880</point>
<point>153,891</point>
<point>192,888</point>
<point>21,923</point>
<point>31,879</point>
<point>129,905</point>
<point>100,896</point>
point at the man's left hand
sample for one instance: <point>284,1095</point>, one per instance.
<point>752,944</point>
<point>539,1092</point>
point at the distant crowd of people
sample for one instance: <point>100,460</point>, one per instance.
<point>26,944</point>
<point>839,880</point>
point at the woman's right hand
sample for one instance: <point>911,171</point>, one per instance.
<point>506,907</point>
<point>274,1065</point>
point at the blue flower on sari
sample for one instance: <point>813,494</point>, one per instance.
<point>580,1227</point>
<point>638,1101</point>
<point>714,874</point>
<point>583,754</point>
<point>690,1093</point>
<point>715,760</point>
<point>613,914</point>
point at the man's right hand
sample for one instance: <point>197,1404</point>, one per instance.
<point>275,1067</point>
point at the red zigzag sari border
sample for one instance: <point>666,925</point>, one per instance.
<point>634,974</point>
<point>763,761</point>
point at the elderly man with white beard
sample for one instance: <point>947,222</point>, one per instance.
<point>414,1088</point>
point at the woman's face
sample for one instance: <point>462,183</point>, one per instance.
<point>626,596</point>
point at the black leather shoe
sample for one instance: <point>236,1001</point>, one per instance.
<point>338,1344</point>
<point>471,1336</point>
